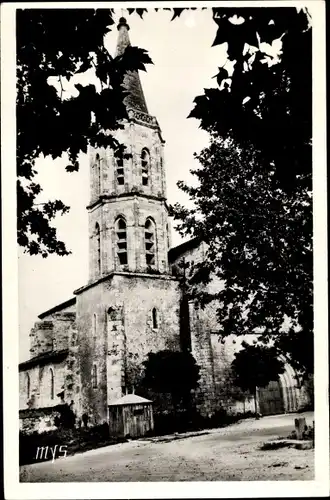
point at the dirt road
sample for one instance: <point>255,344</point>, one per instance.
<point>231,453</point>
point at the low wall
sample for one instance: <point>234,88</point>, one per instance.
<point>38,419</point>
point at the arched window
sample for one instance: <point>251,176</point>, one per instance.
<point>94,329</point>
<point>145,163</point>
<point>98,247</point>
<point>94,377</point>
<point>121,241</point>
<point>154,318</point>
<point>94,325</point>
<point>51,376</point>
<point>149,237</point>
<point>168,235</point>
<point>98,173</point>
<point>120,169</point>
<point>28,385</point>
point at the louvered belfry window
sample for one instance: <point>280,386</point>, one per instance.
<point>154,318</point>
<point>149,235</point>
<point>121,234</point>
<point>98,247</point>
<point>98,173</point>
<point>94,377</point>
<point>145,164</point>
<point>28,385</point>
<point>120,170</point>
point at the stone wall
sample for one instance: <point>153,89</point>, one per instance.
<point>52,332</point>
<point>38,420</point>
<point>124,332</point>
<point>41,338</point>
<point>228,395</point>
<point>214,355</point>
<point>40,385</point>
<point>201,349</point>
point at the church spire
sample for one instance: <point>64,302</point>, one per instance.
<point>135,99</point>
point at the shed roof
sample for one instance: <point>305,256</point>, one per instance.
<point>129,399</point>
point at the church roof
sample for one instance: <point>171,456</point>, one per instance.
<point>135,99</point>
<point>44,358</point>
<point>175,252</point>
<point>129,399</point>
<point>58,307</point>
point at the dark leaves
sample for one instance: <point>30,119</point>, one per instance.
<point>62,43</point>
<point>171,372</point>
<point>259,243</point>
<point>222,75</point>
<point>133,59</point>
<point>256,366</point>
<point>140,12</point>
<point>222,32</point>
<point>72,168</point>
<point>176,13</point>
<point>268,102</point>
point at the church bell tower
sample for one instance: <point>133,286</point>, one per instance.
<point>128,215</point>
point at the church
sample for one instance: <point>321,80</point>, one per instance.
<point>81,350</point>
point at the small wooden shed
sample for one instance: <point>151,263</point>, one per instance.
<point>131,416</point>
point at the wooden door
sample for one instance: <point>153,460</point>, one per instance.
<point>271,399</point>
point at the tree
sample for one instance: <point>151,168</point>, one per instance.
<point>59,44</point>
<point>267,101</point>
<point>255,366</point>
<point>260,246</point>
<point>253,202</point>
<point>172,372</point>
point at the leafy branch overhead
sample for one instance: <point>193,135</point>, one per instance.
<point>48,124</point>
<point>266,101</point>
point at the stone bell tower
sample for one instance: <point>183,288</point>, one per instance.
<point>130,305</point>
<point>128,216</point>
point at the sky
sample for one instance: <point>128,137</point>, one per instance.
<point>184,64</point>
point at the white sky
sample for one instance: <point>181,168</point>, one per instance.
<point>184,64</point>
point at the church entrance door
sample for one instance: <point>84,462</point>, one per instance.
<point>271,399</point>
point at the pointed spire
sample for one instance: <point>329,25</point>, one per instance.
<point>135,99</point>
<point>123,38</point>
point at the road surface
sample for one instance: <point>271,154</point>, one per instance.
<point>230,453</point>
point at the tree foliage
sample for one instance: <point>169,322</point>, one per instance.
<point>266,101</point>
<point>253,201</point>
<point>61,44</point>
<point>172,372</point>
<point>255,366</point>
<point>259,245</point>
